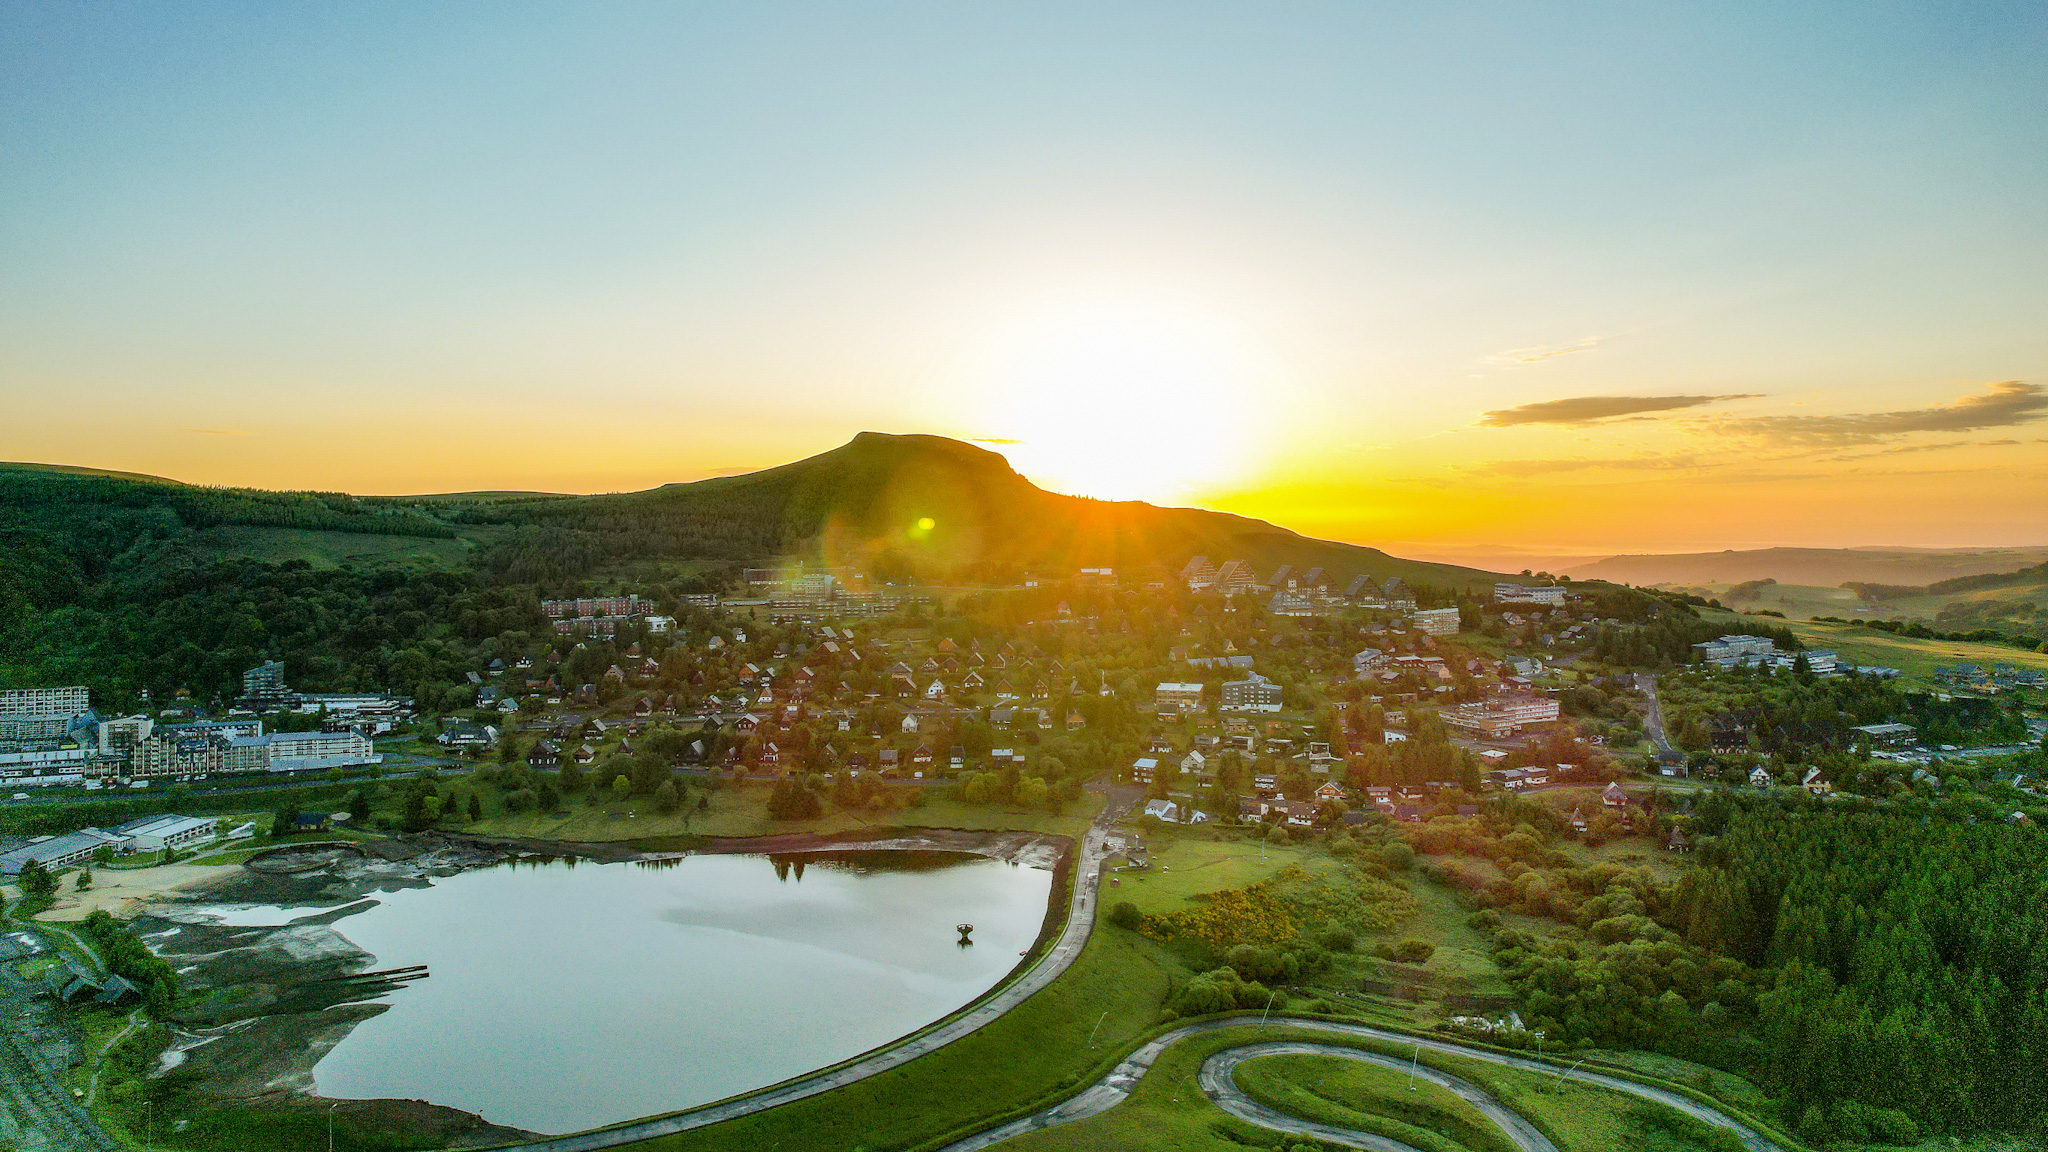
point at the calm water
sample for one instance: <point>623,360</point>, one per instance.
<point>570,996</point>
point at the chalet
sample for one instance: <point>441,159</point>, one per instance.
<point>1578,820</point>
<point>1676,841</point>
<point>1759,778</point>
<point>1815,783</point>
<point>1076,721</point>
<point>921,756</point>
<point>889,760</point>
<point>1300,814</point>
<point>585,754</point>
<point>1143,769</point>
<point>1330,790</point>
<point>543,754</point>
<point>1613,797</point>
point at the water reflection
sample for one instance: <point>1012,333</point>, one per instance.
<point>566,995</point>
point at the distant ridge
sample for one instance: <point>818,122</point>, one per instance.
<point>1820,567</point>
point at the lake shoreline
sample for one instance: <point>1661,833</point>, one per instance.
<point>273,1001</point>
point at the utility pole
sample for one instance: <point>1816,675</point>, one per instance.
<point>1267,1014</point>
<point>1412,1062</point>
<point>1091,1035</point>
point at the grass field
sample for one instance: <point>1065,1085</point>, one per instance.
<point>1584,1118</point>
<point>335,549</point>
<point>1370,1098</point>
<point>1185,866</point>
<point>1168,1113</point>
<point>1916,659</point>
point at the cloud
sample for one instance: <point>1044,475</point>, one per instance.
<point>1582,464</point>
<point>1515,357</point>
<point>1935,447</point>
<point>2002,405</point>
<point>1590,409</point>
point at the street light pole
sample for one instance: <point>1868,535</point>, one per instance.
<point>1412,1062</point>
<point>1267,1014</point>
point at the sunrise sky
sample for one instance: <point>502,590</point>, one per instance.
<point>1580,278</point>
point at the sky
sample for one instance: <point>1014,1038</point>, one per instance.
<point>1438,278</point>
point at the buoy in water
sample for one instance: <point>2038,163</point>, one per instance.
<point>966,931</point>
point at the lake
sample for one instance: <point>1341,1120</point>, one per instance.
<point>570,995</point>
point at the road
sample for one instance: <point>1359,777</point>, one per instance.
<point>1219,1085</point>
<point>1114,1088</point>
<point>1653,722</point>
<point>1073,937</point>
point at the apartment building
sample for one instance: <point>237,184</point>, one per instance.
<point>1436,621</point>
<point>30,714</point>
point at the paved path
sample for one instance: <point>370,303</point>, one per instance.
<point>1219,1085</point>
<point>1114,1088</point>
<point>1080,921</point>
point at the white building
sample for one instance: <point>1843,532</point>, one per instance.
<point>1528,594</point>
<point>1254,693</point>
<point>40,713</point>
<point>1731,651</point>
<point>1436,621</point>
<point>1178,696</point>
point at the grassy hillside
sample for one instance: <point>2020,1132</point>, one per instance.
<point>900,507</point>
<point>921,504</point>
<point>1916,658</point>
<point>339,549</point>
<point>1818,567</point>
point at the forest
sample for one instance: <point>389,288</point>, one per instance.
<point>1907,950</point>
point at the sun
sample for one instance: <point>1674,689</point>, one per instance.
<point>1123,399</point>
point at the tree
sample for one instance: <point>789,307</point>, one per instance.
<point>476,808</point>
<point>668,798</point>
<point>547,798</point>
<point>35,880</point>
<point>282,821</point>
<point>571,775</point>
<point>358,807</point>
<point>622,787</point>
<point>793,799</point>
<point>84,879</point>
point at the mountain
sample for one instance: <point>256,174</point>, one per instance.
<point>928,505</point>
<point>1819,567</point>
<point>898,506</point>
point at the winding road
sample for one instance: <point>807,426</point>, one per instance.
<point>1117,1085</point>
<point>1073,937</point>
<point>1217,1084</point>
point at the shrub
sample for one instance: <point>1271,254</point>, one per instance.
<point>1397,856</point>
<point>1412,951</point>
<point>1126,915</point>
<point>1339,939</point>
